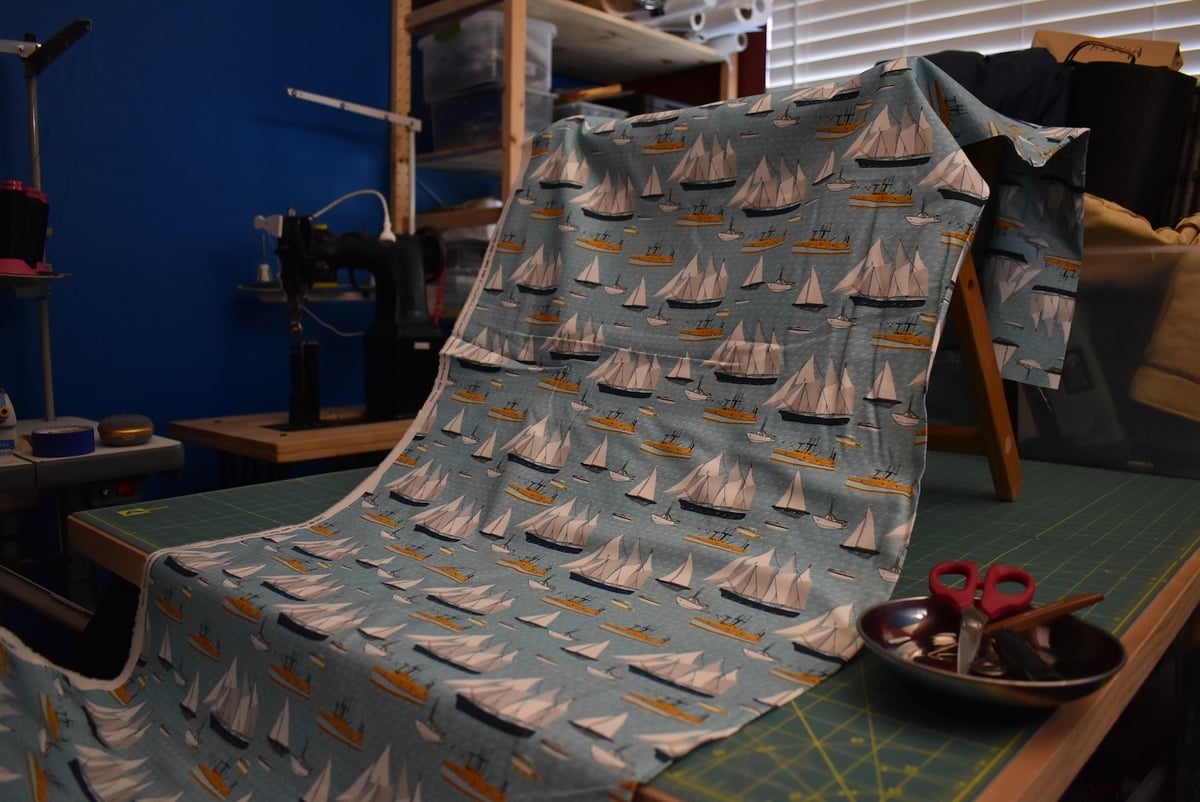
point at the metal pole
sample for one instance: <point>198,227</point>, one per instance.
<point>35,167</point>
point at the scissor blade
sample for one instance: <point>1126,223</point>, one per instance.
<point>970,636</point>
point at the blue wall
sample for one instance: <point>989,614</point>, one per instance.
<point>165,130</point>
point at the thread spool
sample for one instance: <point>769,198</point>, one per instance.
<point>63,441</point>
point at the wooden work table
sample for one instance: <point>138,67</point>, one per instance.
<point>864,733</point>
<point>261,437</point>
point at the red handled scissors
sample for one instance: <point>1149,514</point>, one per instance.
<point>992,604</point>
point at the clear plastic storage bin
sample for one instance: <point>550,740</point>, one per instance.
<point>473,117</point>
<point>588,110</point>
<point>471,53</point>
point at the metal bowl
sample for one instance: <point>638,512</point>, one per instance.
<point>902,632</point>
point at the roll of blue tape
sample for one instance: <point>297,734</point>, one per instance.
<point>63,441</point>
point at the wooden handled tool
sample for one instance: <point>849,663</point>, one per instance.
<point>1041,615</point>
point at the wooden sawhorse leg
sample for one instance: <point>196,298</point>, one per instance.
<point>993,435</point>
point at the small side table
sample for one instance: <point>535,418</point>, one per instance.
<point>265,438</point>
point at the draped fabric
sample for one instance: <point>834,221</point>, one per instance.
<point>674,450</point>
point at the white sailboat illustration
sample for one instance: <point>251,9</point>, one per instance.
<point>539,274</point>
<point>477,600</point>
<point>571,341</point>
<point>955,178</point>
<point>702,169</point>
<point>608,568</point>
<point>887,142</point>
<point>483,352</point>
<point>681,577</point>
<point>587,651</point>
<point>559,170</point>
<point>880,282</point>
<point>423,485</point>
<point>754,279</point>
<point>450,521</point>
<point>602,726</point>
<point>280,730</point>
<point>766,192</point>
<point>652,190</point>
<point>320,621</point>
<point>829,635</point>
<point>234,706</point>
<point>710,490</point>
<point>469,652</point>
<point>116,728</point>
<point>693,288</point>
<point>540,448</point>
<point>862,539</point>
<point>611,199</point>
<point>590,275</point>
<point>627,374</point>
<point>643,491</point>
<point>744,360</point>
<point>637,299</point>
<point>756,581</point>
<point>561,528</point>
<point>104,776</point>
<point>803,399</point>
<point>883,391</point>
<point>810,296</point>
<point>792,501</point>
<point>510,705</point>
<point>685,670</point>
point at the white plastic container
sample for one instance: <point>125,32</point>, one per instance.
<point>471,53</point>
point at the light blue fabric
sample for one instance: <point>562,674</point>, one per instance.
<point>674,450</point>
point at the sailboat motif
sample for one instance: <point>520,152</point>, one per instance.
<point>570,342</point>
<point>539,448</point>
<point>561,528</point>
<point>320,621</point>
<point>602,726</point>
<point>643,491</point>
<point>486,449</point>
<point>803,399</point>
<point>792,501</point>
<point>468,652</point>
<point>608,569</point>
<point>755,581</point>
<point>481,353</point>
<point>539,274</point>
<point>810,294</point>
<point>653,188</point>
<point>449,521</point>
<point>747,361</point>
<point>829,635</point>
<point>116,728</point>
<point>955,178</point>
<point>590,275</point>
<point>862,539</point>
<point>104,776</point>
<point>611,199</point>
<point>883,391</point>
<point>628,375</point>
<point>234,706</point>
<point>303,587</point>
<point>422,485</point>
<point>587,651</point>
<point>767,193</point>
<point>709,490</point>
<point>498,527</point>
<point>597,460</point>
<point>510,704</point>
<point>279,735</point>
<point>685,670</point>
<point>559,170</point>
<point>692,288</point>
<point>477,600</point>
<point>879,282</point>
<point>681,577</point>
<point>637,299</point>
<point>702,169</point>
<point>329,550</point>
<point>894,143</point>
<point>754,279</point>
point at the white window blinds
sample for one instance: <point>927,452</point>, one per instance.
<point>810,41</point>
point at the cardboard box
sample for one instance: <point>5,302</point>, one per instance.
<point>1076,47</point>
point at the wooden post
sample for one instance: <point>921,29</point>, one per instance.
<point>993,434</point>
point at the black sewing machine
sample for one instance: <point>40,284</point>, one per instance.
<point>401,343</point>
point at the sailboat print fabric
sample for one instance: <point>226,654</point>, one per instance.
<point>674,450</point>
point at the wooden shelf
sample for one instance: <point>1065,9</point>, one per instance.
<point>590,43</point>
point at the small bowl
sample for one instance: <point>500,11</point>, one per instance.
<point>1084,655</point>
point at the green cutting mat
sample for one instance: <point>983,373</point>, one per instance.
<point>183,520</point>
<point>862,734</point>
